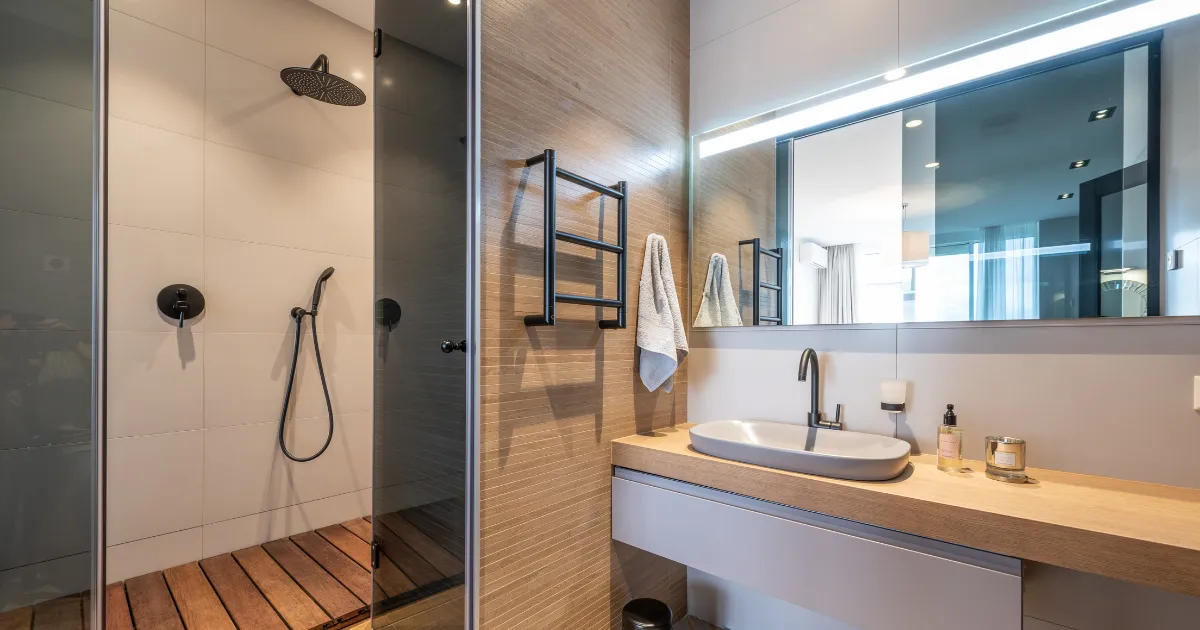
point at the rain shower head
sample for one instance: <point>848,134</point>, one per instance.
<point>316,82</point>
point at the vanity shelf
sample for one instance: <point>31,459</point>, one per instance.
<point>1138,532</point>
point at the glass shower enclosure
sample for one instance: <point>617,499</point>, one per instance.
<point>48,167</point>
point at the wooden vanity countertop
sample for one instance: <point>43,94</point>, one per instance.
<point>1128,530</point>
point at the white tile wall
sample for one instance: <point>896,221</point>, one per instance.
<point>155,382</point>
<point>141,262</point>
<point>245,473</point>
<point>258,199</point>
<point>299,32</point>
<point>154,485</point>
<point>185,17</point>
<point>248,107</point>
<point>147,555</point>
<point>252,288</point>
<point>245,375</point>
<point>223,179</point>
<point>156,77</point>
<point>156,178</point>
<point>238,533</point>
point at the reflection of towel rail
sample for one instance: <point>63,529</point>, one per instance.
<point>759,285</point>
<point>549,297</point>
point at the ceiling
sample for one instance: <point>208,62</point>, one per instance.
<point>435,26</point>
<point>1004,151</point>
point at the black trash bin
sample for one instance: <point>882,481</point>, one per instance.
<point>646,614</point>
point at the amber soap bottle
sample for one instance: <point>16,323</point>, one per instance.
<point>949,444</point>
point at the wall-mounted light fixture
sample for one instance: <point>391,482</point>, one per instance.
<point>1136,19</point>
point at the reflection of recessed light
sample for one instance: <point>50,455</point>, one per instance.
<point>933,165</point>
<point>456,2</point>
<point>358,75</point>
<point>1066,195</point>
<point>387,81</point>
<point>1079,164</point>
<point>913,123</point>
<point>1109,272</point>
<point>1101,114</point>
<point>892,75</point>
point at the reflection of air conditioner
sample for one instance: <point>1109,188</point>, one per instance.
<point>812,255</point>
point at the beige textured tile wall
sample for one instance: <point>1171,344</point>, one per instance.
<point>223,179</point>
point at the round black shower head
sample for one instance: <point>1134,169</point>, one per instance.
<point>316,82</point>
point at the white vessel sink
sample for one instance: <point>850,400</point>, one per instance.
<point>803,449</point>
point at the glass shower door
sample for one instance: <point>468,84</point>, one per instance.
<point>421,279</point>
<point>46,302</point>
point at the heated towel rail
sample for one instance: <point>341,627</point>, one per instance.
<point>759,285</point>
<point>620,192</point>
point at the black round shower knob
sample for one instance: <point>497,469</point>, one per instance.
<point>180,302</point>
<point>450,346</point>
<point>387,313</point>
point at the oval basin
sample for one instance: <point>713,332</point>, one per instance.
<point>803,449</point>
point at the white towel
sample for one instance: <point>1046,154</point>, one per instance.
<point>718,307</point>
<point>660,333</point>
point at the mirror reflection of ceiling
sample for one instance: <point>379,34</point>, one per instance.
<point>435,26</point>
<point>1005,151</point>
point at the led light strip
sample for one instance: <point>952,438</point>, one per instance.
<point>1103,29</point>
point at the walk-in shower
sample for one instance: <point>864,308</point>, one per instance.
<point>148,475</point>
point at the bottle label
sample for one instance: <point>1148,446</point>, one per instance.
<point>1006,459</point>
<point>948,446</point>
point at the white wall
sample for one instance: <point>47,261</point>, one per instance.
<point>223,179</point>
<point>754,56</point>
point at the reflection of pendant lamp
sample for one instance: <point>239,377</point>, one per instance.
<point>914,245</point>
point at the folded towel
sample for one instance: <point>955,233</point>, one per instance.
<point>660,333</point>
<point>718,307</point>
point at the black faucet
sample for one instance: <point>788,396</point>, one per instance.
<point>814,416</point>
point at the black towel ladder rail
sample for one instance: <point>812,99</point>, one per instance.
<point>620,192</point>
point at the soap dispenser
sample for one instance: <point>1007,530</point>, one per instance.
<point>949,444</point>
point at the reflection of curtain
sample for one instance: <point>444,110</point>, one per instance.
<point>1006,273</point>
<point>835,287</point>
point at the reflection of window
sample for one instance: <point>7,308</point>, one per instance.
<point>1005,278</point>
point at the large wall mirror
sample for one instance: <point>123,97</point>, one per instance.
<point>1060,190</point>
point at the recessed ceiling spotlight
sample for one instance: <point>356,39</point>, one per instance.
<point>1101,114</point>
<point>1066,196</point>
<point>913,123</point>
<point>1079,164</point>
<point>892,75</point>
<point>1110,272</point>
<point>933,165</point>
<point>455,2</point>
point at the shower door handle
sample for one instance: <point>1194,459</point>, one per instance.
<point>450,346</point>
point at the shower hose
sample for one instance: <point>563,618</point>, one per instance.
<point>298,315</point>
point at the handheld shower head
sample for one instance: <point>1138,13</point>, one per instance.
<point>316,82</point>
<point>318,289</point>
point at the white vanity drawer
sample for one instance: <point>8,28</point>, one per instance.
<point>866,576</point>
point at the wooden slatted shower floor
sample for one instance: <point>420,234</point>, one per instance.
<point>319,579</point>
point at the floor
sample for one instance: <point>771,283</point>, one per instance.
<point>315,580</point>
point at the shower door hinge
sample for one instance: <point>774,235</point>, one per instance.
<point>375,554</point>
<point>378,42</point>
